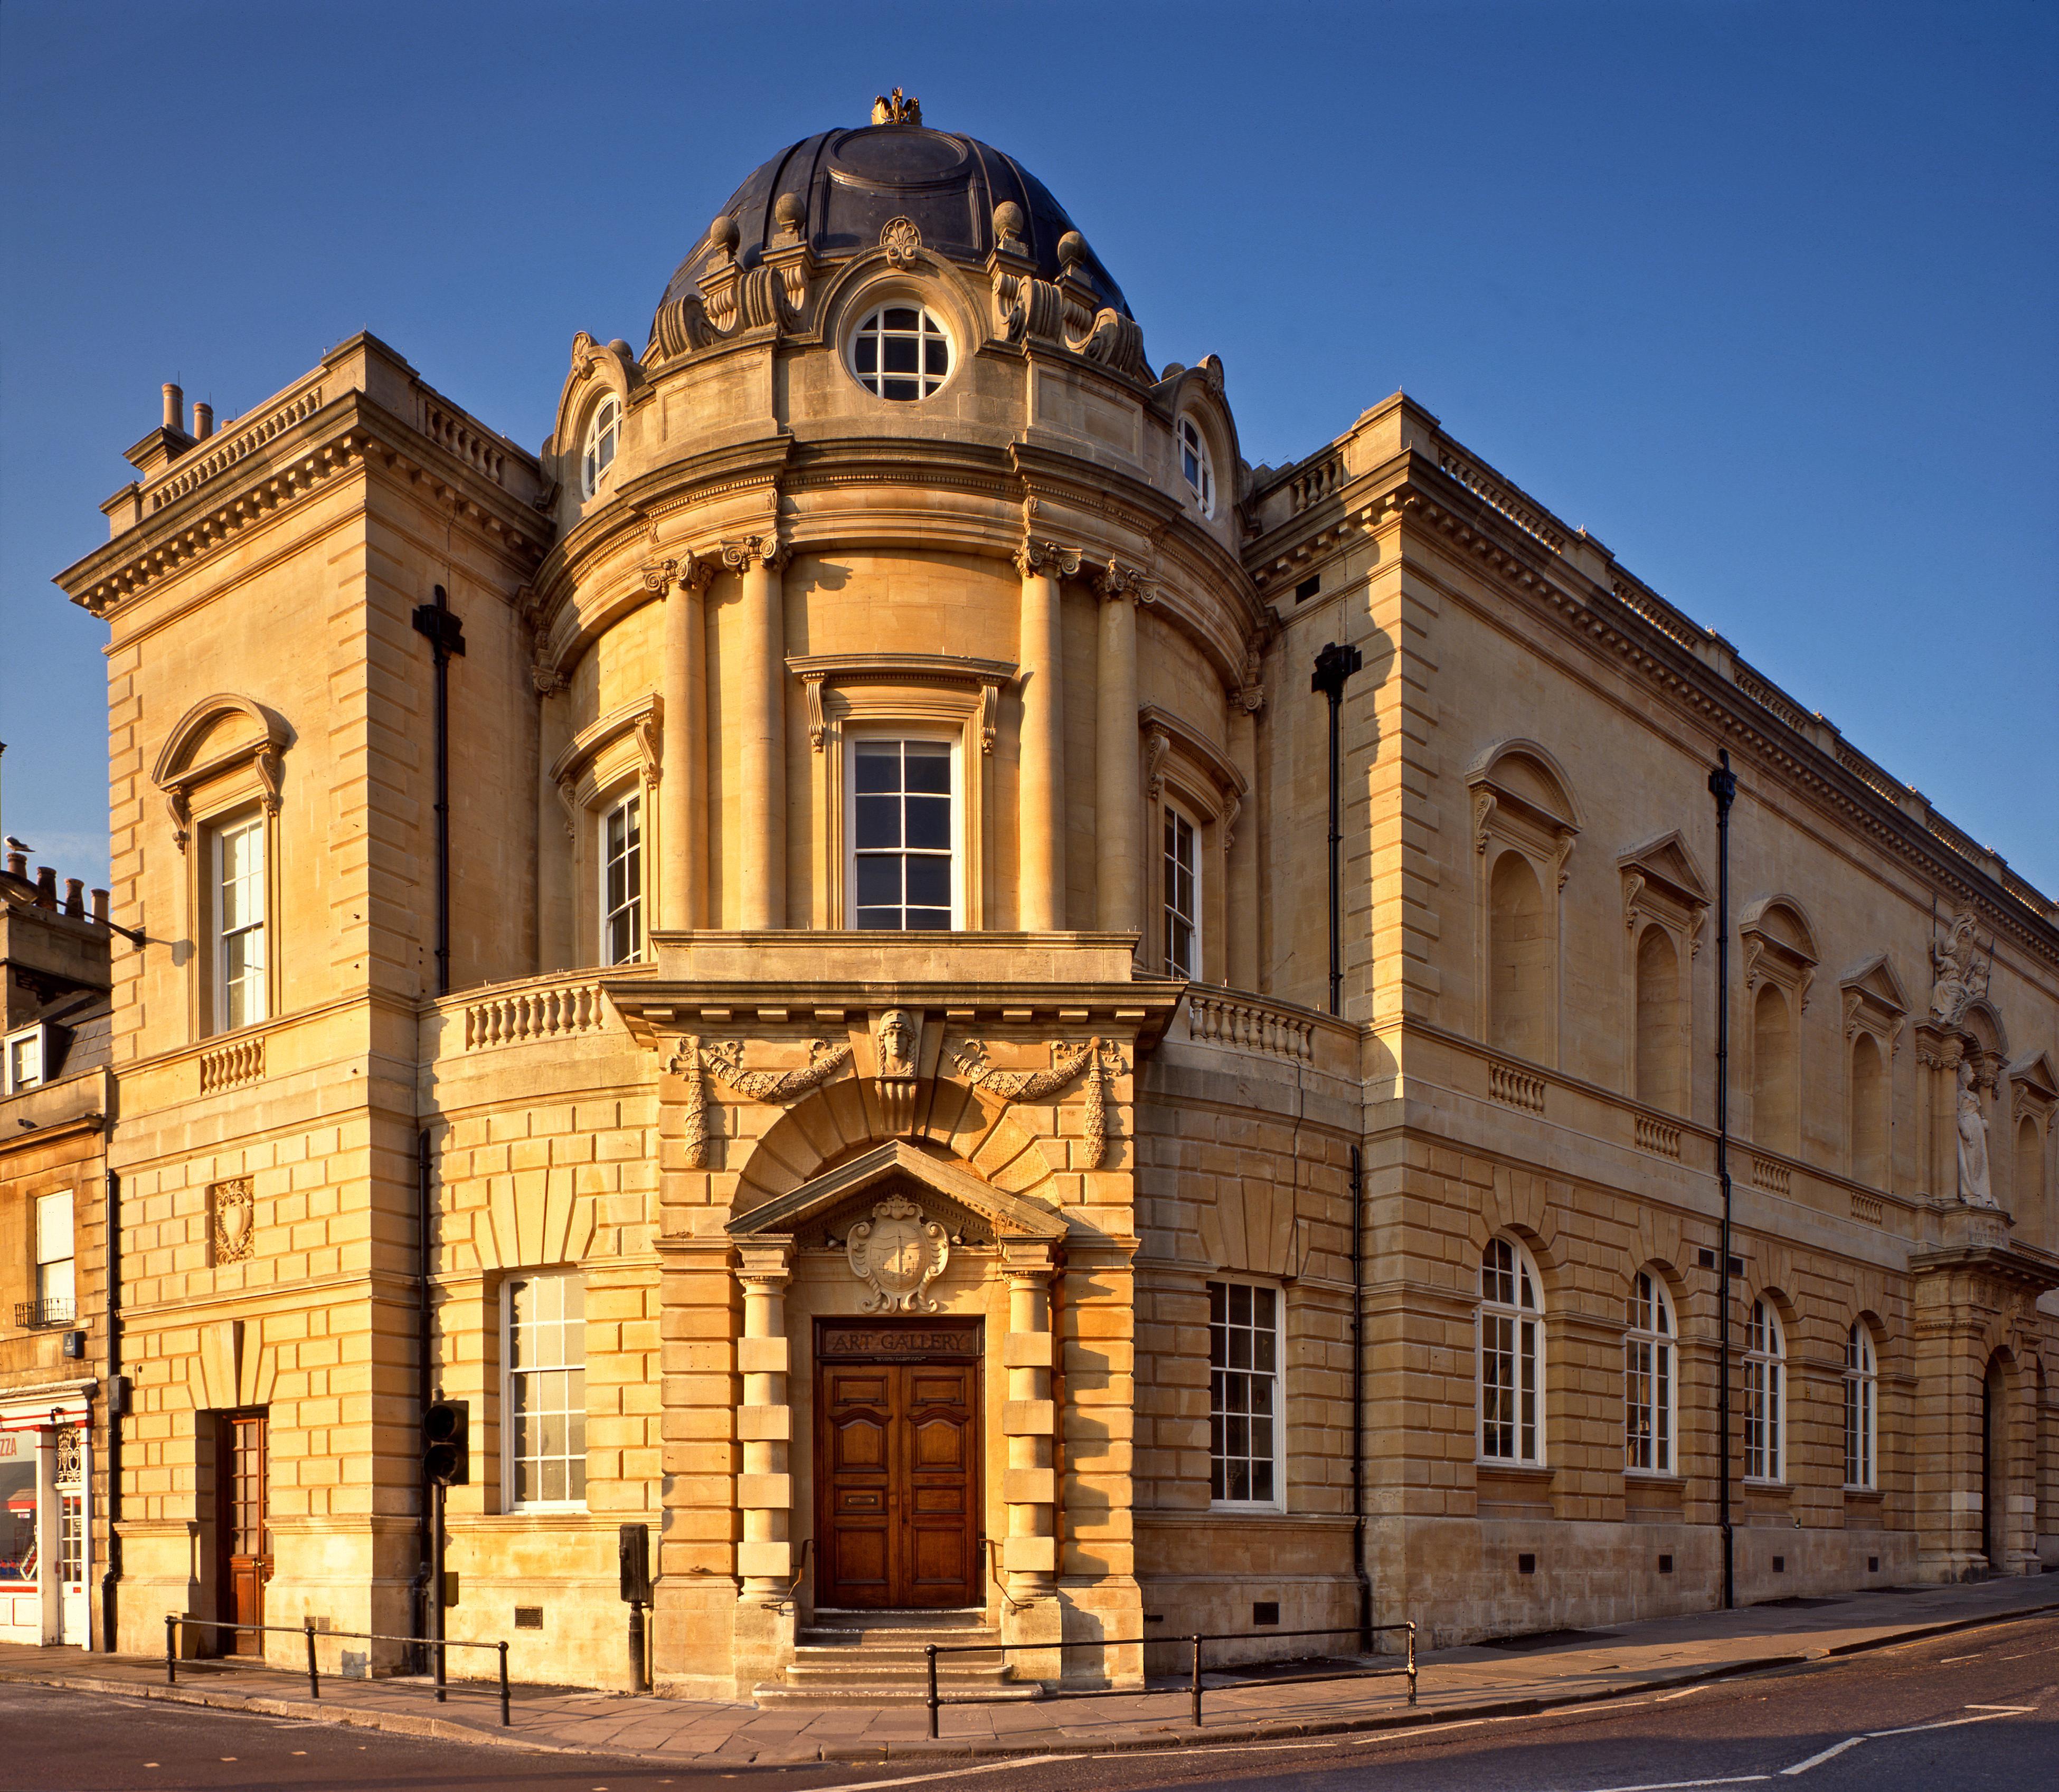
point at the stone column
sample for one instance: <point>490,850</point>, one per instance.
<point>764,1426</point>
<point>760,732</point>
<point>1030,1553</point>
<point>1039,835</point>
<point>683,792</point>
<point>1118,802</point>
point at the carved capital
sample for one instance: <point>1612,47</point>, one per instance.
<point>1047,559</point>
<point>1117,580</point>
<point>767,550</point>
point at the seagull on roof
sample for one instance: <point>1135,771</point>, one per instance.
<point>18,845</point>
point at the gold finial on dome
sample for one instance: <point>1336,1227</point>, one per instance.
<point>894,109</point>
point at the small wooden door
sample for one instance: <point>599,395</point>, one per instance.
<point>243,1539</point>
<point>897,1468</point>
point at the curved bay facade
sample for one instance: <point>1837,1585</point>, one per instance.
<point>860,1051</point>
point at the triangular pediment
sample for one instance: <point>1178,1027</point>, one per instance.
<point>2035,1074</point>
<point>896,1164</point>
<point>1667,864</point>
<point>1874,982</point>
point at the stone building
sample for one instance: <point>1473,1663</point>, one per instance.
<point>810,893</point>
<point>54,1104</point>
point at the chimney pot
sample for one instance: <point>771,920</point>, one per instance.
<point>100,905</point>
<point>175,408</point>
<point>46,887</point>
<point>75,896</point>
<point>203,420</point>
<point>17,866</point>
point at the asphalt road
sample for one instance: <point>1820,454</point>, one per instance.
<point>1974,1712</point>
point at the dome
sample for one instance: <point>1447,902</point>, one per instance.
<point>850,183</point>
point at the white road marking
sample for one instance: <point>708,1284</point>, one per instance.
<point>1950,1659</point>
<point>1952,1723</point>
<point>1685,1692</point>
<point>1817,1760</point>
<point>1684,1785</point>
<point>955,1772</point>
<point>2016,1708</point>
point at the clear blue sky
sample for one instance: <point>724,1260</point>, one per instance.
<point>1762,295</point>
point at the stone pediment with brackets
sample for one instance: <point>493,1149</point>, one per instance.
<point>2034,1089</point>
<point>1779,947</point>
<point>824,1210</point>
<point>1874,1001</point>
<point>1661,881</point>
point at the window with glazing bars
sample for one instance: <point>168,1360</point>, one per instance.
<point>622,883</point>
<point>1243,1393</point>
<point>546,1390</point>
<point>239,872</point>
<point>1508,1355</point>
<point>1762,1366</point>
<point>901,835</point>
<point>1182,889</point>
<point>1861,1385</point>
<point>1647,1379</point>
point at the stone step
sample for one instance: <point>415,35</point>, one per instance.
<point>886,1692</point>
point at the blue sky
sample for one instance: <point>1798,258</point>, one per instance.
<point>1762,295</point>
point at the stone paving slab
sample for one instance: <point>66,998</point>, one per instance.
<point>1477,1681</point>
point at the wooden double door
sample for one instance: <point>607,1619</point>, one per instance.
<point>242,1533</point>
<point>897,1464</point>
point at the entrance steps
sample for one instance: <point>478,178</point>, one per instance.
<point>877,1658</point>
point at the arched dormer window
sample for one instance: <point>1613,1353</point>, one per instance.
<point>1196,467</point>
<point>1510,1351</point>
<point>603,436</point>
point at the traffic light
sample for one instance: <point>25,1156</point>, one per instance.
<point>446,1450</point>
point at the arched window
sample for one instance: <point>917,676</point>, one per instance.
<point>901,351</point>
<point>1196,468</point>
<point>1661,1023</point>
<point>1773,1100</point>
<point>604,435</point>
<point>1518,960</point>
<point>1861,1382</point>
<point>1647,1379</point>
<point>1764,1421</point>
<point>1510,1355</point>
<point>1869,1120</point>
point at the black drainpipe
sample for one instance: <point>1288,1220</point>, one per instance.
<point>446,635</point>
<point>1722,786</point>
<point>115,1404</point>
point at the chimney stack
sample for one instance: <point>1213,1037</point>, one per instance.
<point>75,898</point>
<point>46,887</point>
<point>203,420</point>
<point>175,408</point>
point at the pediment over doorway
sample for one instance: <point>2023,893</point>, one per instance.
<point>897,1166</point>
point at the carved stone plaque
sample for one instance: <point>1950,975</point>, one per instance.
<point>898,1254</point>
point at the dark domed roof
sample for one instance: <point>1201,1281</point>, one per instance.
<point>852,182</point>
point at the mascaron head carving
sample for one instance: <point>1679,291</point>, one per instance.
<point>899,1037</point>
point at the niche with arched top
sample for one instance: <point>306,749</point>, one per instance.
<point>1775,1080</point>
<point>1518,960</point>
<point>1662,1023</point>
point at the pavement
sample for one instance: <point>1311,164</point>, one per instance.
<point>1475,1681</point>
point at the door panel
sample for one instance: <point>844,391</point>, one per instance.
<point>242,1532</point>
<point>897,1476</point>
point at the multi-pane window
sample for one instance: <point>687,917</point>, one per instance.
<point>902,831</point>
<point>1183,938</point>
<point>622,883</point>
<point>1195,466</point>
<point>901,351</point>
<point>1764,1360</point>
<point>23,1067</point>
<point>1244,1394</point>
<point>56,1289</point>
<point>1647,1379</point>
<point>1861,1389</point>
<point>546,1390</point>
<point>239,924</point>
<point>604,435</point>
<point>71,1538</point>
<point>1510,1350</point>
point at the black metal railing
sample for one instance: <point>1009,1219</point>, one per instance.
<point>1195,1643</point>
<point>173,1619</point>
<point>36,1315</point>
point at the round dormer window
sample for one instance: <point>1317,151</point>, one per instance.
<point>901,351</point>
<point>603,433</point>
<point>1196,468</point>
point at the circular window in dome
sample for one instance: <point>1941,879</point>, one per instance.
<point>901,351</point>
<point>1196,468</point>
<point>603,431</point>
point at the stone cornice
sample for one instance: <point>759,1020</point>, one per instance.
<point>342,436</point>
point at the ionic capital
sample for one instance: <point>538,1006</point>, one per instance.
<point>767,550</point>
<point>1117,580</point>
<point>1047,559</point>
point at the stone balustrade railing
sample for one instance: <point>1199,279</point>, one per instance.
<point>514,1015</point>
<point>1249,1023</point>
<point>232,1065</point>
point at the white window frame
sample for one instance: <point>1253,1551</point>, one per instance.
<point>632,906</point>
<point>1171,914</point>
<point>510,1455</point>
<point>604,427</point>
<point>1523,1313</point>
<point>1190,439</point>
<point>25,1057</point>
<point>928,323</point>
<point>1861,1410</point>
<point>1221,1418</point>
<point>1651,1379</point>
<point>856,739</point>
<point>49,1253</point>
<point>258,980</point>
<point>1765,1396</point>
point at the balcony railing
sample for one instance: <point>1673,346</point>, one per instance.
<point>40,1316</point>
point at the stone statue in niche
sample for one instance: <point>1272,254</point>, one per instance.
<point>1975,1189</point>
<point>1961,971</point>
<point>898,1254</point>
